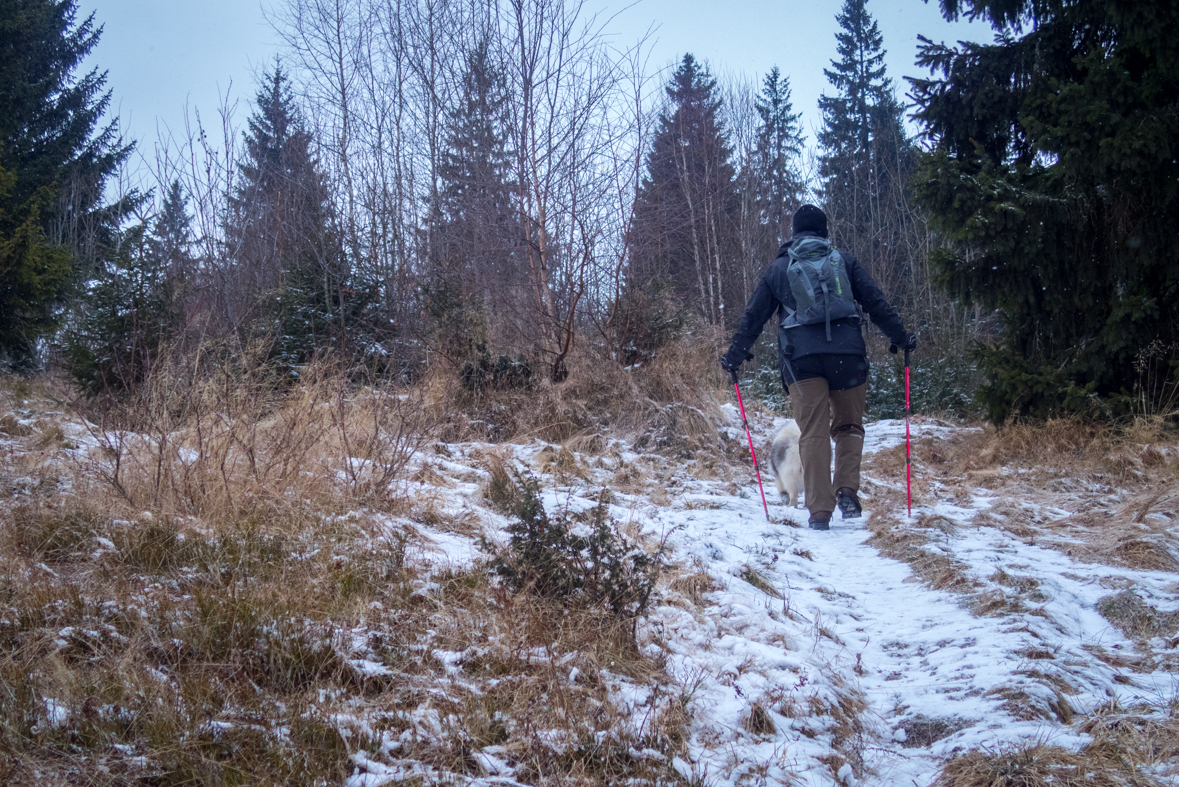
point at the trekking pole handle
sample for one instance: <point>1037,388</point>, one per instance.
<point>733,374</point>
<point>906,356</point>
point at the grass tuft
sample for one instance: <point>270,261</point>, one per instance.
<point>56,533</point>
<point>1127,612</point>
<point>1035,765</point>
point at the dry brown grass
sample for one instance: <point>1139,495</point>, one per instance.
<point>156,651</point>
<point>213,593</point>
<point>1040,454</point>
<point>669,404</point>
<point>922,731</point>
<point>1038,765</point>
<point>1136,742</point>
<point>223,591</point>
<point>850,737</point>
<point>1122,485</point>
<point>758,580</point>
<point>694,586</point>
<point>562,464</point>
<point>759,721</point>
<point>227,440</point>
<point>197,663</point>
<point>913,543</point>
<point>501,491</point>
<point>1137,619</point>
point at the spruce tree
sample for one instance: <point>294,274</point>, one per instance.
<point>779,148</point>
<point>134,307</point>
<point>126,318</point>
<point>866,157</point>
<point>474,262</point>
<point>54,163</point>
<point>171,241</point>
<point>680,235</point>
<point>290,279</point>
<point>1053,175</point>
<point>858,77</point>
<point>473,170</point>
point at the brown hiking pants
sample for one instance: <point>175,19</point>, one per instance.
<point>823,415</point>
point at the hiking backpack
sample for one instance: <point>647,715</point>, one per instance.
<point>818,278</point>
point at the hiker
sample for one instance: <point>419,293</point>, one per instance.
<point>820,295</point>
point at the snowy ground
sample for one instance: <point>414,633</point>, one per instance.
<point>816,660</point>
<point>812,658</point>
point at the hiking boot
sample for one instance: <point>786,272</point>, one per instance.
<point>820,520</point>
<point>849,504</point>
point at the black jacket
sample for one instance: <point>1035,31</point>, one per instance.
<point>773,295</point>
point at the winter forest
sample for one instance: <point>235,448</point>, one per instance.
<point>375,433</point>
<point>498,187</point>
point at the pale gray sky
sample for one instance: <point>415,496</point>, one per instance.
<point>162,54</point>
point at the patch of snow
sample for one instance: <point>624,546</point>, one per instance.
<point>56,713</point>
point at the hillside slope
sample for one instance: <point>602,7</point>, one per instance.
<point>1022,622</point>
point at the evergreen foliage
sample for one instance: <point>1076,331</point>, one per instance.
<point>293,278</point>
<point>54,163</point>
<point>134,305</point>
<point>779,148</point>
<point>653,320</point>
<point>475,194</point>
<point>480,374</point>
<point>1053,174</point>
<point>123,321</point>
<point>861,86</point>
<point>171,241</point>
<point>34,274</point>
<point>681,229</point>
<point>594,564</point>
<point>940,384</point>
<point>866,158</point>
<point>473,257</point>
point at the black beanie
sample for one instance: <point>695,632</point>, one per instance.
<point>808,218</point>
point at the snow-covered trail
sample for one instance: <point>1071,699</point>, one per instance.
<point>844,649</point>
<point>811,658</point>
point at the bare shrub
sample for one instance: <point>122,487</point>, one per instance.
<point>660,405</point>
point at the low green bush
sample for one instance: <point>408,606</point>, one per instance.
<point>591,563</point>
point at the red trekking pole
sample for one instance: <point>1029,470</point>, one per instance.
<point>908,455</point>
<point>752,453</point>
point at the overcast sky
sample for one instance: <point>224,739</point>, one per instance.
<point>164,54</point>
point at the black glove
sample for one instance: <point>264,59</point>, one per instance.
<point>910,344</point>
<point>732,360</point>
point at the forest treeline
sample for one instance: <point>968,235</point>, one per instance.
<point>498,189</point>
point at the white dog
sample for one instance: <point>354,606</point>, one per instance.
<point>786,464</point>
